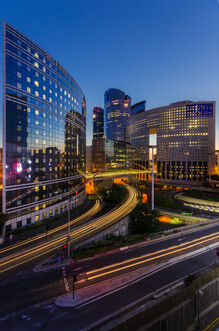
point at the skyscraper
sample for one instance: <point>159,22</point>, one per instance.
<point>185,138</point>
<point>117,106</point>
<point>138,107</point>
<point>98,122</point>
<point>44,130</point>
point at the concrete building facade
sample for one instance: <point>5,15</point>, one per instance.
<point>185,140</point>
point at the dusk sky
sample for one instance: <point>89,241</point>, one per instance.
<point>159,50</point>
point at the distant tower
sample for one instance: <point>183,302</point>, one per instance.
<point>138,107</point>
<point>98,122</point>
<point>117,107</point>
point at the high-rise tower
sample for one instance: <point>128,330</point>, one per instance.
<point>117,106</point>
<point>98,122</point>
<point>44,133</point>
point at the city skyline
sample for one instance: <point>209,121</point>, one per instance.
<point>161,52</point>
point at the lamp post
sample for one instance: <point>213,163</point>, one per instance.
<point>152,176</point>
<point>152,181</point>
<point>68,237</point>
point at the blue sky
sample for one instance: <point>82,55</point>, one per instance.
<point>159,50</point>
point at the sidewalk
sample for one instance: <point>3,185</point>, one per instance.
<point>103,288</point>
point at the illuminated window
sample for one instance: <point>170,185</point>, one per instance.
<point>37,112</point>
<point>44,205</point>
<point>36,55</point>
<point>44,187</point>
<point>50,212</point>
<point>28,79</point>
<point>36,64</point>
<point>18,74</point>
<point>50,100</point>
<point>28,89</point>
<point>44,97</point>
<point>36,83</point>
<point>44,69</point>
<point>37,189</point>
<point>36,93</point>
<point>19,85</point>
<point>37,216</point>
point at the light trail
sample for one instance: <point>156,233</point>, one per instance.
<point>77,235</point>
<point>199,242</point>
<point>89,213</point>
<point>153,253</point>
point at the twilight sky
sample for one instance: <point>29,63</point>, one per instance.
<point>159,50</point>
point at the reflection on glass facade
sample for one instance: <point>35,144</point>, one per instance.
<point>43,133</point>
<point>117,107</point>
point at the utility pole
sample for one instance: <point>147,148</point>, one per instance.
<point>152,181</point>
<point>68,238</point>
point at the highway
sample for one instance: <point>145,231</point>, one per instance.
<point>53,232</point>
<point>79,234</point>
<point>204,205</point>
<point>159,256</point>
<point>35,288</point>
<point>187,218</point>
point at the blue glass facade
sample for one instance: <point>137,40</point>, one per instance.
<point>98,122</point>
<point>44,133</point>
<point>117,106</point>
<point>138,107</point>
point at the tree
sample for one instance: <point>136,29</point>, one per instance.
<point>144,219</point>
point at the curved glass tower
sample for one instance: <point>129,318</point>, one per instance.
<point>44,114</point>
<point>117,106</point>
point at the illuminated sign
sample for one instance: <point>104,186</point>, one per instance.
<point>199,110</point>
<point>19,167</point>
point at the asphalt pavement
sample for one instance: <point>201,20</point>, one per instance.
<point>26,288</point>
<point>49,317</point>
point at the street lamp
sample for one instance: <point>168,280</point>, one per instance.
<point>69,229</point>
<point>152,176</point>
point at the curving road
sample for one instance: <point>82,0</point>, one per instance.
<point>21,257</point>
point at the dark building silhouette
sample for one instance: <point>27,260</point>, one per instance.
<point>98,122</point>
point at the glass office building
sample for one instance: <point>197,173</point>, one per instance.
<point>44,127</point>
<point>138,107</point>
<point>98,122</point>
<point>185,140</point>
<point>117,106</point>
